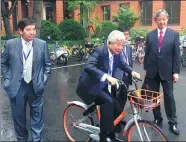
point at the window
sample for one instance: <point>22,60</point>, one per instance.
<point>146,15</point>
<point>173,9</point>
<point>48,11</point>
<point>106,12</point>
<point>124,4</point>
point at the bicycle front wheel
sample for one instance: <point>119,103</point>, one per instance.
<point>148,131</point>
<point>183,61</point>
<point>71,117</point>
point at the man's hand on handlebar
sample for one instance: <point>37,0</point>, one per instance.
<point>135,74</point>
<point>111,80</point>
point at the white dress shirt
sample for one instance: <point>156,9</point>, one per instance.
<point>163,30</point>
<point>111,60</point>
<point>26,51</point>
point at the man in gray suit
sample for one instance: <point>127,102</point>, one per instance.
<point>25,68</point>
<point>127,55</point>
<point>125,77</point>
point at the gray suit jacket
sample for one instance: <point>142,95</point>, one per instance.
<point>121,74</point>
<point>129,52</point>
<point>12,66</point>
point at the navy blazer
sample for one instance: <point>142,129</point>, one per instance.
<point>167,61</point>
<point>96,66</point>
<point>12,66</point>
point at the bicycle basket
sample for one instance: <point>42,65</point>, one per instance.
<point>145,99</point>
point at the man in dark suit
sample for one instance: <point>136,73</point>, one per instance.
<point>25,67</point>
<point>97,78</point>
<point>127,56</point>
<point>162,65</point>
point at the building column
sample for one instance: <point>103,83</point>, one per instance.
<point>19,11</point>
<point>30,8</point>
<point>182,14</point>
<point>59,11</point>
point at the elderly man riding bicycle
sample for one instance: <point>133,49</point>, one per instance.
<point>96,81</point>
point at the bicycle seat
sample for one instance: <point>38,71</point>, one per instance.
<point>139,39</point>
<point>89,45</point>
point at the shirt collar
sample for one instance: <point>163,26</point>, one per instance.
<point>110,54</point>
<point>163,30</point>
<point>23,41</point>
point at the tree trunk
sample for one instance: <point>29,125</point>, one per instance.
<point>37,16</point>
<point>7,27</point>
<point>5,14</point>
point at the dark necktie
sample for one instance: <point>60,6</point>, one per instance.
<point>160,40</point>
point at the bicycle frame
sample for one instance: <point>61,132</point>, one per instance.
<point>94,130</point>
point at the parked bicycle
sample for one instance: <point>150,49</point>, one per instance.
<point>88,47</point>
<point>138,52</point>
<point>78,122</point>
<point>58,55</point>
<point>183,51</point>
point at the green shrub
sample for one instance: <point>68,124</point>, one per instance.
<point>72,30</point>
<point>140,31</point>
<point>126,16</point>
<point>3,37</point>
<point>104,28</point>
<point>49,29</point>
<point>183,32</point>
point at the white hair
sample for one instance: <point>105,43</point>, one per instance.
<point>114,36</point>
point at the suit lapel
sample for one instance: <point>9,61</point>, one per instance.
<point>19,47</point>
<point>106,57</point>
<point>165,38</point>
<point>34,50</point>
<point>156,39</point>
<point>128,53</point>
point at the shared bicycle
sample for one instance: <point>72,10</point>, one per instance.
<point>79,119</point>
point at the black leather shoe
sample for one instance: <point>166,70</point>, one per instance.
<point>174,129</point>
<point>114,138</point>
<point>105,139</point>
<point>123,123</point>
<point>158,121</point>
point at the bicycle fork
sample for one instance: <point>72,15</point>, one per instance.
<point>135,119</point>
<point>139,131</point>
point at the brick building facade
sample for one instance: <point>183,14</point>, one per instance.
<point>56,11</point>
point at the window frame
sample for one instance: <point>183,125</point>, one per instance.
<point>105,6</point>
<point>125,4</point>
<point>143,18</point>
<point>172,8</point>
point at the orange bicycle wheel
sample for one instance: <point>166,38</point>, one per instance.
<point>149,132</point>
<point>72,115</point>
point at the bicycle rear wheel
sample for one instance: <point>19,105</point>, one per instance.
<point>53,58</point>
<point>77,54</point>
<point>149,132</point>
<point>72,115</point>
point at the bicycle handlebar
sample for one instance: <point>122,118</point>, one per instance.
<point>134,79</point>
